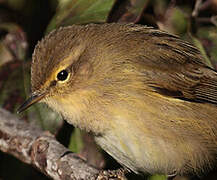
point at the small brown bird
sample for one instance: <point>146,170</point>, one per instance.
<point>146,95</point>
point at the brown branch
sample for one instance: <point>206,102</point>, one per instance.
<point>40,149</point>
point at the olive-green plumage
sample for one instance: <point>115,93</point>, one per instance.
<point>147,95</point>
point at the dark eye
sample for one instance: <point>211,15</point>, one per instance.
<point>62,75</point>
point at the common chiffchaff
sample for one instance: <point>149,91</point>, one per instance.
<point>146,95</point>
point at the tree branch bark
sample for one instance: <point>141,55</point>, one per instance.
<point>40,149</point>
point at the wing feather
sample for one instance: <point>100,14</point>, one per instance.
<point>176,68</point>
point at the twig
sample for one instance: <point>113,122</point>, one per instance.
<point>212,20</point>
<point>196,8</point>
<point>40,149</point>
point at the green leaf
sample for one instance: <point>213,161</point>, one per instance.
<point>179,21</point>
<point>199,45</point>
<point>81,12</point>
<point>76,141</point>
<point>130,11</point>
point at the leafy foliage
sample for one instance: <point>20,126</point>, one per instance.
<point>24,22</point>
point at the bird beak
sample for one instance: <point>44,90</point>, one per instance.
<point>34,98</point>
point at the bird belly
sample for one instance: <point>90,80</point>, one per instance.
<point>137,152</point>
<point>140,149</point>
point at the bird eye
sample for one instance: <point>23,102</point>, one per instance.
<point>62,75</point>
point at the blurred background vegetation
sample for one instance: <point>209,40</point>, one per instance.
<point>24,22</point>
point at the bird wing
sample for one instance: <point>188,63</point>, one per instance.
<point>174,67</point>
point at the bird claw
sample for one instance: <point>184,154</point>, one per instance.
<point>113,174</point>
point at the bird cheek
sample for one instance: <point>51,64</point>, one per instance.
<point>85,69</point>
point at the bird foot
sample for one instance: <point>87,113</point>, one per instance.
<point>112,174</point>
